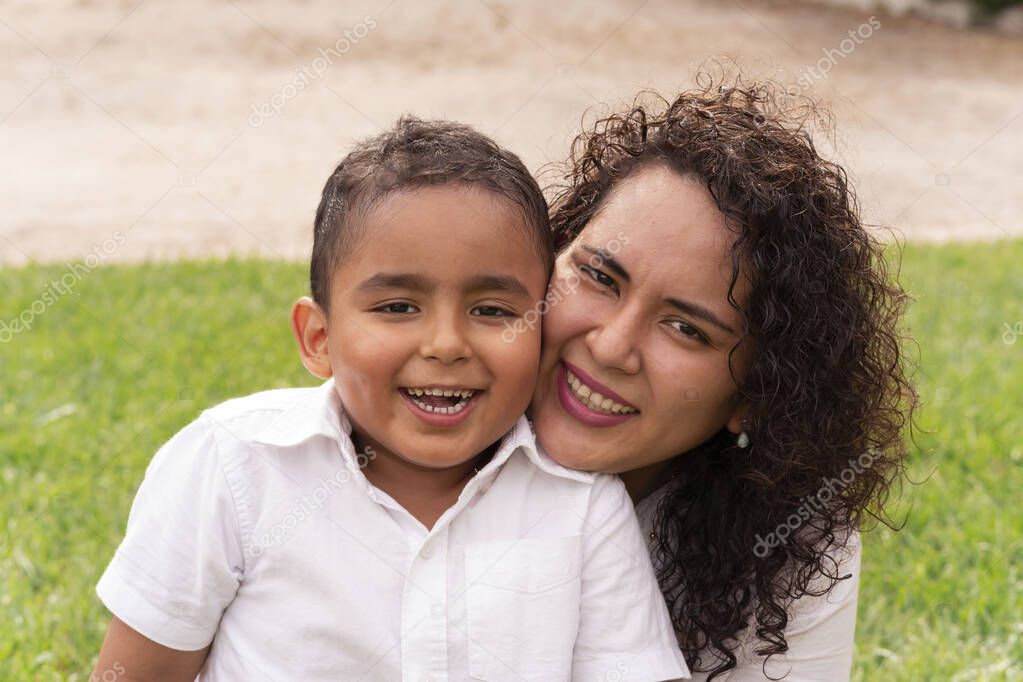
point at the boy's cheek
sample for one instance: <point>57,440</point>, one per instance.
<point>519,339</point>
<point>519,366</point>
<point>364,342</point>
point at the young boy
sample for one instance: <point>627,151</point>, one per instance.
<point>396,522</point>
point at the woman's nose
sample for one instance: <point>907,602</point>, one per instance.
<point>615,342</point>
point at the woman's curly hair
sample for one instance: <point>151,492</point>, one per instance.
<point>827,387</point>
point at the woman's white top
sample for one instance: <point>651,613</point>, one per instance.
<point>256,529</point>
<point>819,633</point>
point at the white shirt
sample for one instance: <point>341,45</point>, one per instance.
<point>255,528</point>
<point>819,633</point>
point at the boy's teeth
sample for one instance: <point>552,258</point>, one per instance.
<point>442,410</point>
<point>461,393</point>
<point>594,400</point>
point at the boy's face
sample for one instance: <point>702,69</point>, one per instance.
<point>423,302</point>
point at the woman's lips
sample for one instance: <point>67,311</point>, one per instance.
<point>575,408</point>
<point>596,385</point>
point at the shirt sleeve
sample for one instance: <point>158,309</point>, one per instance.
<point>625,632</point>
<point>819,635</point>
<point>180,562</point>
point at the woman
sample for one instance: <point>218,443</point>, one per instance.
<point>728,344</point>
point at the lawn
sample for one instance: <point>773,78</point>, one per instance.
<point>113,367</point>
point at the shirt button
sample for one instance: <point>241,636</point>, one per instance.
<point>426,552</point>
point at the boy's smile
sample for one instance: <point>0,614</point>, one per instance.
<point>414,334</point>
<point>440,405</point>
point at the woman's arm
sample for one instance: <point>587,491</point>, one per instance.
<point>135,658</point>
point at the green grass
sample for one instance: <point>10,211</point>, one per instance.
<point>107,373</point>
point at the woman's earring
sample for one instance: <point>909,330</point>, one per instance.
<point>743,440</point>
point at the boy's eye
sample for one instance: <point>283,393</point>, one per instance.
<point>599,277</point>
<point>396,308</point>
<point>491,311</point>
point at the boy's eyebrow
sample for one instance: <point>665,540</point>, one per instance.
<point>414,282</point>
<point>395,280</point>
<point>506,283</point>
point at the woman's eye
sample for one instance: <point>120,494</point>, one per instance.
<point>599,277</point>
<point>396,308</point>
<point>688,330</point>
<point>491,311</point>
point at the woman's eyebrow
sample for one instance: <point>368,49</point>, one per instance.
<point>698,311</point>
<point>688,307</point>
<point>420,283</point>
<point>608,260</point>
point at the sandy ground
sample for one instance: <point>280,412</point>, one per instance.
<point>134,129</point>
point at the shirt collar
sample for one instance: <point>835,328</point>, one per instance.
<point>319,412</point>
<point>522,437</point>
<point>315,412</point>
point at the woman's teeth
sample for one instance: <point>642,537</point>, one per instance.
<point>594,400</point>
<point>462,396</point>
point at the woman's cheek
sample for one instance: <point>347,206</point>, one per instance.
<point>573,315</point>
<point>701,398</point>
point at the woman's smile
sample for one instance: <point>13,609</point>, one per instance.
<point>583,400</point>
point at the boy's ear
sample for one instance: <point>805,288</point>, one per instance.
<point>309,326</point>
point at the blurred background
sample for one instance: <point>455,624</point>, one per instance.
<point>204,128</point>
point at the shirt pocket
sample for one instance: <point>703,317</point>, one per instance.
<point>522,608</point>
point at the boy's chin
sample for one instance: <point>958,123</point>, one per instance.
<point>439,455</point>
<point>438,462</point>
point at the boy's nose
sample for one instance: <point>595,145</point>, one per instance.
<point>447,343</point>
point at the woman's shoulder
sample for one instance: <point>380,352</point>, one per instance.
<point>842,560</point>
<point>822,619</point>
<point>821,626</point>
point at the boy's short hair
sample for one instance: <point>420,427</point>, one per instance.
<point>417,153</point>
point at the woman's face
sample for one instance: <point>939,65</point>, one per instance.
<point>639,313</point>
